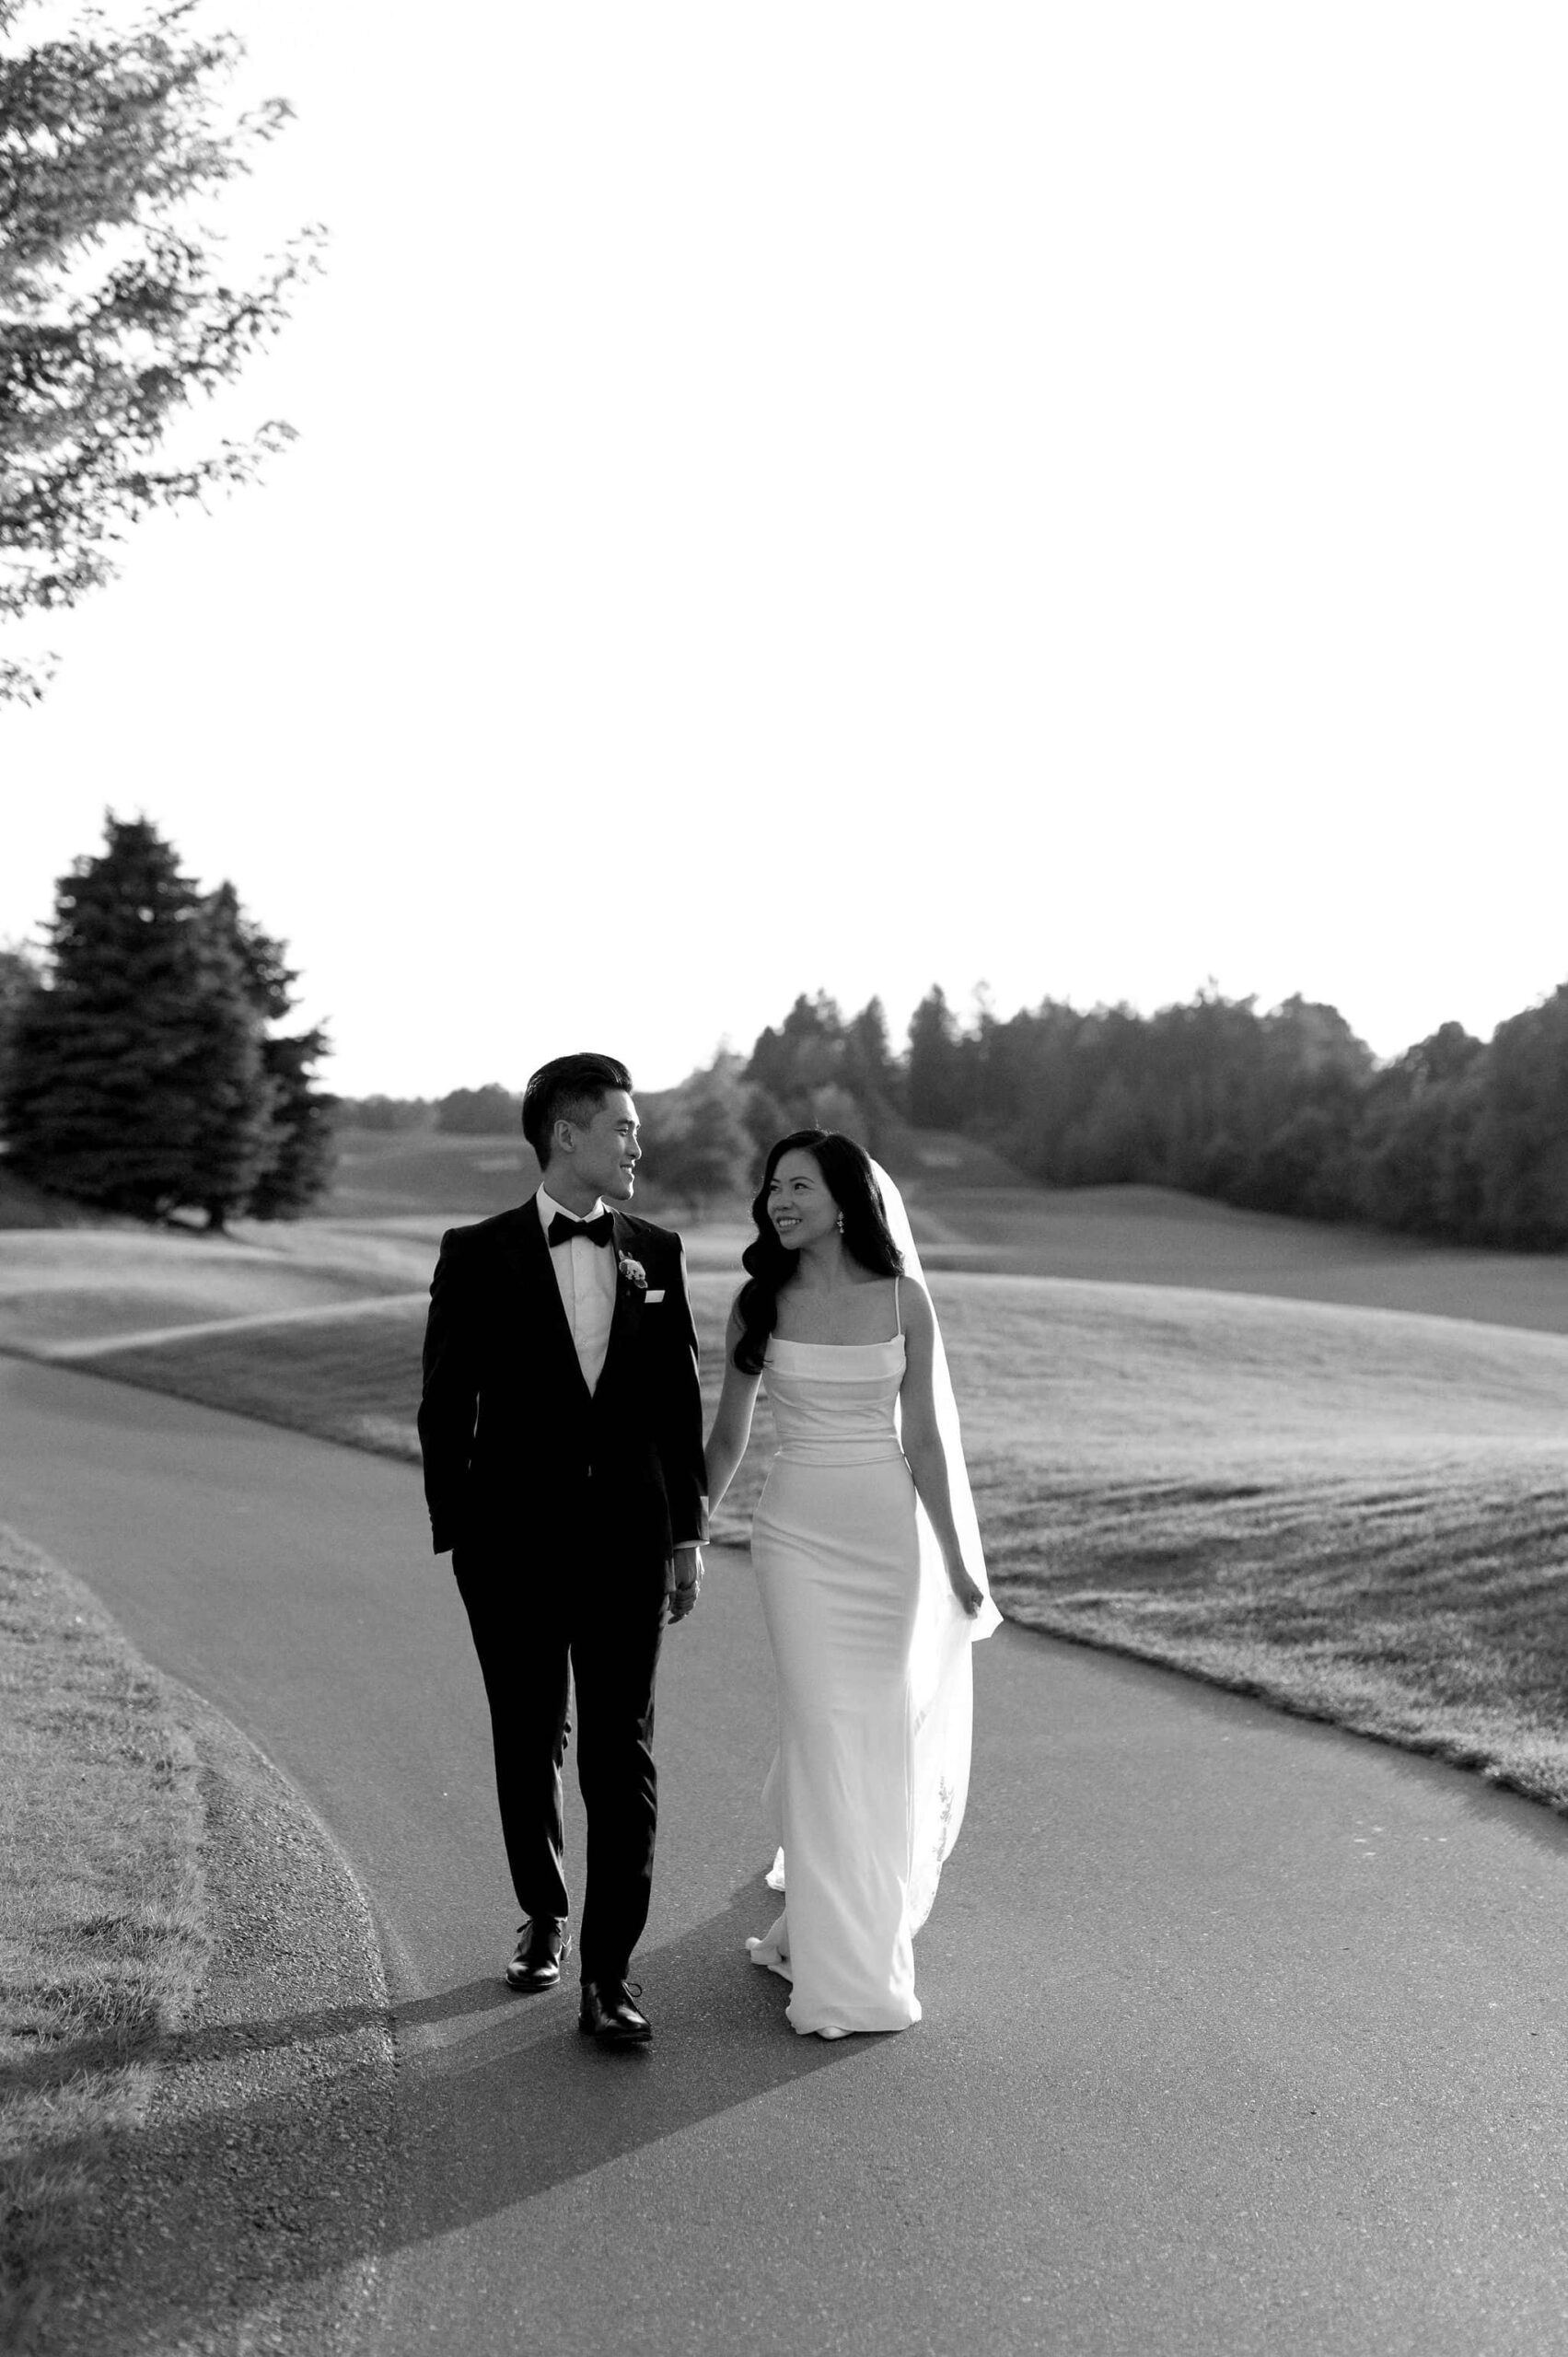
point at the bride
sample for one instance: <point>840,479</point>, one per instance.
<point>867,1556</point>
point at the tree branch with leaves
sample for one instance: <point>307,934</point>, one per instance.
<point>114,309</point>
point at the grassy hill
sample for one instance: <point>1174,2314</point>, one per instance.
<point>1155,1235</point>
<point>61,1287</point>
<point>1239,1444</point>
<point>1362,1514</point>
<point>412,1173</point>
<point>395,1192</point>
<point>971,1210</point>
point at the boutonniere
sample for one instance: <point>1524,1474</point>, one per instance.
<point>632,1271</point>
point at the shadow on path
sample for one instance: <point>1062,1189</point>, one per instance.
<point>515,2102</point>
<point>525,2102</point>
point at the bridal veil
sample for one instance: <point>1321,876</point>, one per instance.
<point>941,1667</point>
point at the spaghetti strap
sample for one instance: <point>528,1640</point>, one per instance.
<point>898,1310</point>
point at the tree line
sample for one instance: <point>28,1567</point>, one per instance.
<point>1283,1110</point>
<point>141,1070</point>
<point>144,1068</point>
<point>461,1112</point>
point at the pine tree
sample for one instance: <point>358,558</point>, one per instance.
<point>140,1035</point>
<point>141,1077</point>
<point>1521,1137</point>
<point>19,979</point>
<point>303,1144</point>
<point>935,1064</point>
<point>294,1147</point>
<point>227,1046</point>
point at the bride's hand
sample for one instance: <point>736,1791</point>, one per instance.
<point>967,1594</point>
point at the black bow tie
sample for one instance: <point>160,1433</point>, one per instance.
<point>592,1231</point>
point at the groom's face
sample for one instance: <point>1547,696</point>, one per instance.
<point>604,1152</point>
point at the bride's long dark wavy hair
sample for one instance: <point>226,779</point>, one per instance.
<point>849,1178</point>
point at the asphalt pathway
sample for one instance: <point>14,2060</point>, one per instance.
<point>1240,2035</point>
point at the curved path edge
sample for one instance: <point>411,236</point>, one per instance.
<point>213,2234</point>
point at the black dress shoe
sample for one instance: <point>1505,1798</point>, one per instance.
<point>543,1940</point>
<point>609,2015</point>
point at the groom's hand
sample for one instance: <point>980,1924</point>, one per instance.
<point>685,1584</point>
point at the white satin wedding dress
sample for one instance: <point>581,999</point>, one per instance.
<point>875,1686</point>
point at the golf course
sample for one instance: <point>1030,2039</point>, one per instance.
<point>1324,1466</point>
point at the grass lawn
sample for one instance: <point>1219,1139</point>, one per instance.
<point>1342,1502</point>
<point>972,1211</point>
<point>1152,1235</point>
<point>102,1936</point>
<point>1361,1514</point>
<point>1358,1515</point>
<point>59,1285</point>
<point>434,1177</point>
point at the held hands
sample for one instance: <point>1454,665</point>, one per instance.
<point>967,1593</point>
<point>686,1582</point>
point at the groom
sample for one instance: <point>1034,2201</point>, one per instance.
<point>561,1431</point>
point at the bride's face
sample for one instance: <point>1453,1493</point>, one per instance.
<point>799,1205</point>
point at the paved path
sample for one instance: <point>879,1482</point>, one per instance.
<point>1240,2035</point>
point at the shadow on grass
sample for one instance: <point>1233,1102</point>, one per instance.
<point>222,2209</point>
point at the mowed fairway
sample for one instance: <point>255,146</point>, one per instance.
<point>1356,1512</point>
<point>62,1285</point>
<point>1362,1514</point>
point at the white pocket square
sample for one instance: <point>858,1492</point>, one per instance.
<point>655,1293</point>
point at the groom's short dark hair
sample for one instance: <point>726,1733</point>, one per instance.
<point>569,1088</point>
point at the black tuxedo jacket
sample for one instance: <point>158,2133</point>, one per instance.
<point>518,1454</point>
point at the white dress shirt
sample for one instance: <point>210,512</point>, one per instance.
<point>586,1274</point>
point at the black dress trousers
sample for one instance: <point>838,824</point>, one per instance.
<point>598,1623</point>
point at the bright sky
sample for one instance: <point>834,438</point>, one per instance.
<point>1071,497</point>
